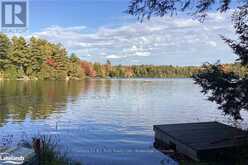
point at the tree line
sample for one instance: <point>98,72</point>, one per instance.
<point>137,71</point>
<point>228,89</point>
<point>36,59</point>
<point>153,71</point>
<point>42,60</point>
<point>39,59</point>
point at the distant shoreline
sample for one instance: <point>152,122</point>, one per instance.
<point>95,78</point>
<point>37,59</point>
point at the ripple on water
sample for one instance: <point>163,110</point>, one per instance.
<point>103,121</point>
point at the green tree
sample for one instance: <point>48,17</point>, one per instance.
<point>227,89</point>
<point>20,54</point>
<point>100,70</point>
<point>5,45</point>
<point>199,9</point>
<point>37,56</point>
<point>75,71</point>
<point>61,62</point>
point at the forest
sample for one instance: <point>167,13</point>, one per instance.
<point>38,59</point>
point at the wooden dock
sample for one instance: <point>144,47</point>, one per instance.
<point>208,141</point>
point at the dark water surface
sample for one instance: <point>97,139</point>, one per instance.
<point>102,121</point>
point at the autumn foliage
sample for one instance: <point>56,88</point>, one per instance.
<point>88,68</point>
<point>51,62</point>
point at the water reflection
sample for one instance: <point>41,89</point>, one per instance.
<point>36,99</point>
<point>114,117</point>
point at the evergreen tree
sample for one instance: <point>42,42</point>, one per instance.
<point>226,88</point>
<point>229,89</point>
<point>5,45</point>
<point>36,59</point>
<point>75,71</point>
<point>20,54</point>
<point>37,56</point>
<point>199,8</point>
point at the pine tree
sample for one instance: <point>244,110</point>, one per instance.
<point>5,45</point>
<point>37,56</point>
<point>75,71</point>
<point>60,62</point>
<point>229,89</point>
<point>20,54</point>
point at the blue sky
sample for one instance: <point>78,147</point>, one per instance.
<point>98,30</point>
<point>67,13</point>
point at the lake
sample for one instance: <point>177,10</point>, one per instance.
<point>105,122</point>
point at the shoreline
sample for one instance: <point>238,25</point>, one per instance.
<point>96,78</point>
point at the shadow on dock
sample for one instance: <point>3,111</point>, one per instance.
<point>208,143</point>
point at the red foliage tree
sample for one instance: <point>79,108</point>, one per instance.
<point>51,62</point>
<point>88,68</point>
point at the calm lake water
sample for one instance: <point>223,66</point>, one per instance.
<point>105,122</point>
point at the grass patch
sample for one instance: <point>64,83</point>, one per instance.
<point>46,148</point>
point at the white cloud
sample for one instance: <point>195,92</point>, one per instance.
<point>168,40</point>
<point>113,56</point>
<point>144,54</point>
<point>212,43</point>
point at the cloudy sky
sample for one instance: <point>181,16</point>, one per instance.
<point>97,30</point>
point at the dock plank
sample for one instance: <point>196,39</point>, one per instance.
<point>193,139</point>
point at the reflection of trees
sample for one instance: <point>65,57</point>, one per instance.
<point>3,114</point>
<point>36,99</point>
<point>101,87</point>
